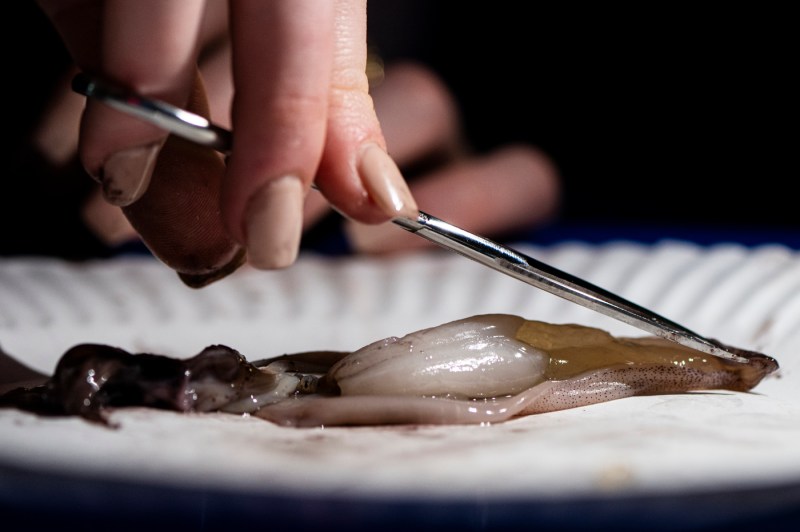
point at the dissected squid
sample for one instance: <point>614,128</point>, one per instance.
<point>482,369</point>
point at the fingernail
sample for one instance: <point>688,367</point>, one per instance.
<point>385,183</point>
<point>274,223</point>
<point>126,174</point>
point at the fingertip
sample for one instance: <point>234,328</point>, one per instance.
<point>118,151</point>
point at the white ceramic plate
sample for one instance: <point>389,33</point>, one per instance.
<point>644,448</point>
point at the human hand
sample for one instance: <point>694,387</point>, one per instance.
<point>512,188</point>
<point>302,113</point>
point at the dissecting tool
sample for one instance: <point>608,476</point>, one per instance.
<point>197,129</point>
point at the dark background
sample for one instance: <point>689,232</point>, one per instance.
<point>657,117</point>
<point>652,114</point>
